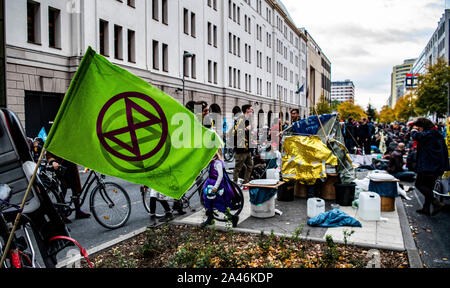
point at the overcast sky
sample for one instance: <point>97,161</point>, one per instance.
<point>364,39</point>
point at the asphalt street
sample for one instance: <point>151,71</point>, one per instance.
<point>431,234</point>
<point>90,234</point>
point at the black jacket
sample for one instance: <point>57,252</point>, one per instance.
<point>432,153</point>
<point>363,132</point>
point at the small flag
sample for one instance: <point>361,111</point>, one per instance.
<point>119,125</point>
<point>42,134</point>
<point>301,89</point>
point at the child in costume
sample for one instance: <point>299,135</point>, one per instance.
<point>218,190</point>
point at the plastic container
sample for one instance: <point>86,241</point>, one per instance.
<point>369,206</point>
<point>264,210</point>
<point>286,192</point>
<point>315,207</point>
<point>345,193</point>
<point>273,174</point>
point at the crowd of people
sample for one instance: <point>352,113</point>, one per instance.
<point>414,151</point>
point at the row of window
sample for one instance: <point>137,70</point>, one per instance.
<point>118,41</point>
<point>34,25</point>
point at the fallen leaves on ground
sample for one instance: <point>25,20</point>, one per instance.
<point>173,246</point>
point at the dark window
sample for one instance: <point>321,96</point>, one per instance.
<point>33,19</point>
<point>54,29</point>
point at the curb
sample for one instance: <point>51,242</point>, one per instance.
<point>69,262</point>
<point>408,240</point>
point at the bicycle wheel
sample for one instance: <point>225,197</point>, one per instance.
<point>110,205</point>
<point>228,154</point>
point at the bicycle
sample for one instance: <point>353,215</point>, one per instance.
<point>196,189</point>
<point>19,257</point>
<point>109,203</point>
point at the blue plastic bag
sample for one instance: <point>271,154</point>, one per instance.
<point>333,218</point>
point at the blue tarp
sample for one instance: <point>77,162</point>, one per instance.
<point>261,195</point>
<point>310,125</point>
<point>333,218</point>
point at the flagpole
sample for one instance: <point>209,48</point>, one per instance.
<point>19,215</point>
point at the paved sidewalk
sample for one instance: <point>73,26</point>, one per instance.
<point>386,234</point>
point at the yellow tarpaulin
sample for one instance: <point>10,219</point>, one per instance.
<point>447,140</point>
<point>305,159</point>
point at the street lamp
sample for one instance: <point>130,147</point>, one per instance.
<point>185,55</point>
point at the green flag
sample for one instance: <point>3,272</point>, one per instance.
<point>113,122</point>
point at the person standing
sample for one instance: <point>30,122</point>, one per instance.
<point>70,179</point>
<point>432,162</point>
<point>363,134</point>
<point>218,191</point>
<point>350,135</point>
<point>242,144</point>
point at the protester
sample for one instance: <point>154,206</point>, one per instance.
<point>69,179</point>
<point>243,154</point>
<point>163,200</point>
<point>218,191</point>
<point>295,115</point>
<point>363,136</point>
<point>396,163</point>
<point>432,162</point>
<point>350,135</point>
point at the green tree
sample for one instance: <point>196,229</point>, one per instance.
<point>322,107</point>
<point>371,112</point>
<point>432,91</point>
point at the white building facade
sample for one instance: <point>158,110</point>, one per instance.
<point>243,52</point>
<point>343,91</point>
<point>437,47</point>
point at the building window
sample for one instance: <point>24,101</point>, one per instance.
<point>209,71</point>
<point>215,36</point>
<point>185,65</point>
<point>186,21</point>
<point>193,24</point>
<point>54,27</point>
<point>209,33</point>
<point>33,22</point>
<point>118,42</point>
<point>104,38</point>
<point>155,10</point>
<point>165,12</point>
<point>155,55</point>
<point>215,69</point>
<point>165,58</point>
<point>131,46</point>
<point>193,67</point>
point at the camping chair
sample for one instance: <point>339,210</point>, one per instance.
<point>441,189</point>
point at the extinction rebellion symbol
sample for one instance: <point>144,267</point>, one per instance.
<point>138,149</point>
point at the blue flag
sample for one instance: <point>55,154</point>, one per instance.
<point>300,90</point>
<point>42,134</point>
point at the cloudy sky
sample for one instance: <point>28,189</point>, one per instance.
<point>364,39</point>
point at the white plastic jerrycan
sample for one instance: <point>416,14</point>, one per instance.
<point>369,206</point>
<point>273,174</point>
<point>315,207</point>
